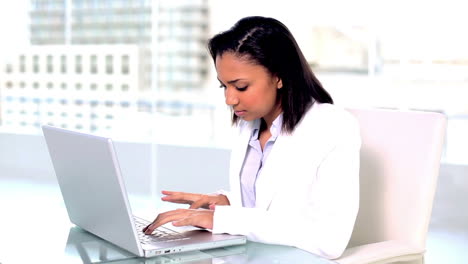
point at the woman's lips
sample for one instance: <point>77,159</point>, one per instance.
<point>240,113</point>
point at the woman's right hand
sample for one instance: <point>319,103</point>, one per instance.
<point>195,200</point>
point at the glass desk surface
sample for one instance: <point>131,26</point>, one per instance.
<point>35,228</point>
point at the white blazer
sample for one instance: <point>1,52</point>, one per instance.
<point>307,195</point>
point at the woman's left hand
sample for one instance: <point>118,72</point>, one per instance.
<point>183,217</point>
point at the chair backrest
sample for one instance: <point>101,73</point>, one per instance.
<point>400,160</point>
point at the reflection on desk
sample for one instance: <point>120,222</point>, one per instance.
<point>34,228</point>
<point>258,253</point>
<point>84,247</point>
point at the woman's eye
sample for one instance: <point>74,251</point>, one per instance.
<point>241,89</point>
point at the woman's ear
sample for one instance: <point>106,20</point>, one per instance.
<point>279,83</point>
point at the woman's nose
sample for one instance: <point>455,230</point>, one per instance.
<point>231,97</point>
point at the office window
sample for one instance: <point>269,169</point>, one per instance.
<point>63,64</point>
<point>125,64</point>
<point>115,42</point>
<point>109,64</point>
<point>22,62</point>
<point>50,64</point>
<point>78,64</point>
<point>93,64</point>
<point>8,68</point>
<point>35,63</point>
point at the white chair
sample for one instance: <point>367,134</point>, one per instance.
<point>400,159</point>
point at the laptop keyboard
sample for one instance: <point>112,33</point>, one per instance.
<point>160,234</point>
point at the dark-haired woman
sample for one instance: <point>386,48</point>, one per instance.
<point>294,172</point>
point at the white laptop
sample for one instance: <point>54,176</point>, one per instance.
<point>94,193</point>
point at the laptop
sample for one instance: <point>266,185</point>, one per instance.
<point>95,197</point>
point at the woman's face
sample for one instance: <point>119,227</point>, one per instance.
<point>249,89</point>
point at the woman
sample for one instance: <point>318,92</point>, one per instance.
<point>294,172</point>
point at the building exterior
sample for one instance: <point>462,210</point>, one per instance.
<point>175,30</point>
<point>78,87</point>
<point>102,65</point>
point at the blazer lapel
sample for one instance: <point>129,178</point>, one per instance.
<point>237,159</point>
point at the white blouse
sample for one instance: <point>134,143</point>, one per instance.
<point>255,158</point>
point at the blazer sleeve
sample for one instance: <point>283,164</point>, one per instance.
<point>321,223</point>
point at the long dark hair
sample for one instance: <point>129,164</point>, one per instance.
<point>267,42</point>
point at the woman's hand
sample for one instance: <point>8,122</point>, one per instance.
<point>195,200</point>
<point>183,217</point>
<point>194,216</point>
